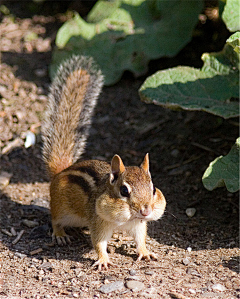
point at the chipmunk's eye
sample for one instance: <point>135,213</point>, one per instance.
<point>124,191</point>
<point>154,190</point>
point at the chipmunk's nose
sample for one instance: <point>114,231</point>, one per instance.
<point>146,210</point>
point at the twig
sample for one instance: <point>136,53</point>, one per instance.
<point>36,251</point>
<point>191,159</point>
<point>13,231</point>
<point>6,232</point>
<point>206,148</point>
<point>18,237</point>
<point>12,144</point>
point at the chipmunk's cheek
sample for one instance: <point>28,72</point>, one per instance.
<point>157,212</point>
<point>121,217</point>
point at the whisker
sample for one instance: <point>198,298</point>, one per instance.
<point>171,214</point>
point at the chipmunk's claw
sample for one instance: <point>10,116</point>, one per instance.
<point>62,240</point>
<point>147,256</point>
<point>103,264</point>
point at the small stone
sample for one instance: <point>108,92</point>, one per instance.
<point>193,272</point>
<point>135,285</point>
<point>192,291</point>
<point>21,255</point>
<point>111,287</point>
<point>218,287</point>
<point>4,179</point>
<point>132,272</point>
<point>189,249</point>
<point>148,272</point>
<point>46,266</point>
<point>30,223</point>
<point>186,261</point>
<point>40,72</point>
<point>191,212</point>
<point>30,139</point>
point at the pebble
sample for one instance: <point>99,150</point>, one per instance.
<point>132,272</point>
<point>189,249</point>
<point>148,272</point>
<point>46,266</point>
<point>218,287</point>
<point>135,285</point>
<point>111,287</point>
<point>30,139</point>
<point>192,291</point>
<point>191,212</point>
<point>40,72</point>
<point>193,272</point>
<point>21,255</point>
<point>4,179</point>
<point>186,261</point>
<point>30,223</point>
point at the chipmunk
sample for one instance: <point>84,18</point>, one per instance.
<point>92,193</point>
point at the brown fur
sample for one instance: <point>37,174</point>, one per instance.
<point>92,193</point>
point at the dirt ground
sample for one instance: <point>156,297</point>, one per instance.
<point>198,257</point>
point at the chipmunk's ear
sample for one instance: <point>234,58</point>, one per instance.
<point>145,164</point>
<point>117,168</point>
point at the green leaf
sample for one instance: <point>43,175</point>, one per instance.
<point>224,171</point>
<point>231,15</point>
<point>125,34</point>
<point>234,41</point>
<point>213,89</point>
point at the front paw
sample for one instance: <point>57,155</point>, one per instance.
<point>103,262</point>
<point>147,256</point>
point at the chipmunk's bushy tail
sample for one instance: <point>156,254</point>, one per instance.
<point>73,96</point>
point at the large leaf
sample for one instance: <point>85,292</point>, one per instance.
<point>125,34</point>
<point>231,15</point>
<point>224,171</point>
<point>214,88</point>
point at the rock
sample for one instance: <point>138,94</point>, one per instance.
<point>4,179</point>
<point>135,285</point>
<point>149,272</point>
<point>186,261</point>
<point>30,139</point>
<point>111,287</point>
<point>132,272</point>
<point>218,287</point>
<point>191,212</point>
<point>193,272</point>
<point>30,223</point>
<point>46,266</point>
<point>40,72</point>
<point>20,255</point>
<point>192,291</point>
